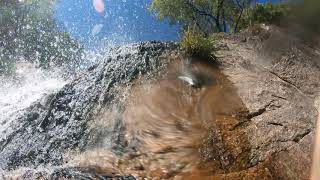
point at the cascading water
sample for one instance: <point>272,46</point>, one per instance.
<point>27,85</point>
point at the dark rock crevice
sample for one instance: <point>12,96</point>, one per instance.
<point>298,137</point>
<point>288,82</point>
<point>258,112</point>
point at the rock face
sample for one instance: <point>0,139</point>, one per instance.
<point>278,80</point>
<point>276,77</point>
<point>59,122</point>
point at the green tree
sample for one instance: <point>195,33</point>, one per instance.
<point>268,13</point>
<point>28,31</point>
<point>220,15</point>
<point>207,15</point>
<point>202,18</point>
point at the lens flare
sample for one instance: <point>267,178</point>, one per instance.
<point>96,29</point>
<point>98,5</point>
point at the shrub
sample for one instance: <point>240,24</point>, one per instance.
<point>196,43</point>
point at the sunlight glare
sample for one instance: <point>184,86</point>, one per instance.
<point>98,5</point>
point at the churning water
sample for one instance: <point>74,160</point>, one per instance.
<point>180,125</point>
<point>26,86</point>
<point>175,129</point>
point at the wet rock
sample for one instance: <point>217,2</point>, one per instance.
<point>60,122</point>
<point>66,173</point>
<point>84,173</point>
<point>276,78</point>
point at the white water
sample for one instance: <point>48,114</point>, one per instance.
<point>28,85</point>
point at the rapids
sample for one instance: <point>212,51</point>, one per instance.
<point>26,86</point>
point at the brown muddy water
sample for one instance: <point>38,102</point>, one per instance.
<point>180,131</point>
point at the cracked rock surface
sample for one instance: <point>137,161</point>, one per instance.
<point>278,80</point>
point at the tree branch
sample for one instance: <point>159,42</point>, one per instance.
<point>220,7</point>
<point>238,20</point>
<point>201,12</point>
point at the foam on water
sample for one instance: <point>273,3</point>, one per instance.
<point>28,85</point>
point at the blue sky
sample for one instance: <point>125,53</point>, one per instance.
<point>123,21</point>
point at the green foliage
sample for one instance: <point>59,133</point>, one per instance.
<point>191,13</point>
<point>198,44</point>
<point>267,13</point>
<point>45,45</point>
<point>206,15</point>
<point>28,32</point>
<point>210,16</point>
<point>220,15</point>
